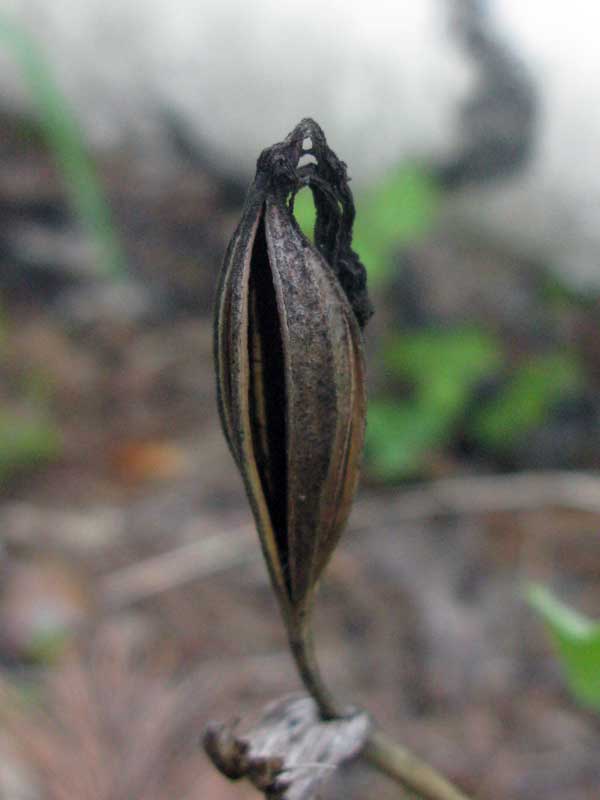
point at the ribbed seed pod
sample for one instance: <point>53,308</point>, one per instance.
<point>290,369</point>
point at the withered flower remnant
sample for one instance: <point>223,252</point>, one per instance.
<point>291,394</point>
<point>290,370</point>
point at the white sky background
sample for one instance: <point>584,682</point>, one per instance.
<point>383,78</point>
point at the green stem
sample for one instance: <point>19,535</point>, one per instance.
<point>407,769</point>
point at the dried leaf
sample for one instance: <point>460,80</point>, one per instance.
<point>290,752</point>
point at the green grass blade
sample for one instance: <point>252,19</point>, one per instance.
<point>65,140</point>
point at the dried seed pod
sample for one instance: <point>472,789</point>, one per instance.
<point>290,367</point>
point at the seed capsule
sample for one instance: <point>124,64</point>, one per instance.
<point>290,371</point>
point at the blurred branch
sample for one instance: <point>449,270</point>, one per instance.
<point>471,494</point>
<point>200,559</point>
<point>210,555</point>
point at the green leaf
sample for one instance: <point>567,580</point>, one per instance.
<point>46,648</point>
<point>26,444</point>
<point>577,642</point>
<point>305,212</point>
<point>443,365</point>
<point>442,368</point>
<point>398,212</point>
<point>399,437</point>
<point>532,393</point>
<point>402,208</point>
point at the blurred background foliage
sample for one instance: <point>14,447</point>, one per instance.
<point>61,132</point>
<point>430,382</point>
<point>31,438</point>
<point>576,640</point>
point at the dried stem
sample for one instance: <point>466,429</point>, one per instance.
<point>407,769</point>
<point>380,751</point>
<point>303,651</point>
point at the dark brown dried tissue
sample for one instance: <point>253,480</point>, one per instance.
<point>291,391</point>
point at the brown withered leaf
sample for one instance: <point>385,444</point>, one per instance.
<point>291,752</point>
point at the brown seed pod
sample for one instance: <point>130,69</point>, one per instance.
<point>290,365</point>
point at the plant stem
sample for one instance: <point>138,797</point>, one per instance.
<point>402,766</point>
<point>380,751</point>
<point>303,652</point>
